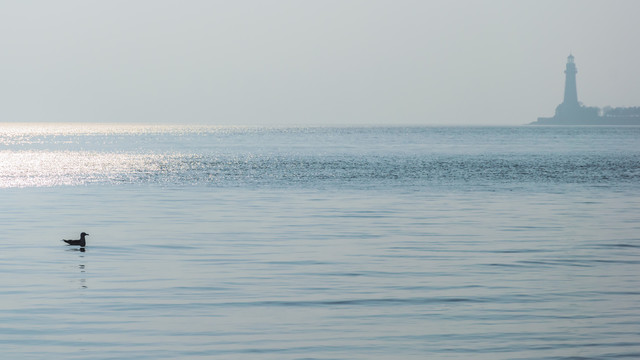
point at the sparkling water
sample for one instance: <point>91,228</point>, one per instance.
<point>319,243</point>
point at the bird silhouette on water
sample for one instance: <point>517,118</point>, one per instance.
<point>82,242</point>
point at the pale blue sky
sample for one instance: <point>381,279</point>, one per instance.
<point>312,62</point>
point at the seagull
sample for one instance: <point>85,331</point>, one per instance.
<point>82,242</point>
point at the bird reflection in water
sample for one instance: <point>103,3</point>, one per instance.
<point>82,267</point>
<point>83,280</point>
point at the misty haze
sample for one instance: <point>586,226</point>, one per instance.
<point>319,180</point>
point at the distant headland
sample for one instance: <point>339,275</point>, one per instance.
<point>572,112</point>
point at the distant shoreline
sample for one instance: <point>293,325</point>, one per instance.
<point>604,120</point>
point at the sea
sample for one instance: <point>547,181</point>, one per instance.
<point>207,242</point>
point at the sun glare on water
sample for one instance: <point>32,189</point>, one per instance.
<point>36,169</point>
<point>23,166</point>
<point>24,130</point>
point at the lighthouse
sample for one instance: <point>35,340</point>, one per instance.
<point>570,90</point>
<point>572,112</point>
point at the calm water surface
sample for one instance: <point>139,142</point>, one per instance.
<point>320,243</point>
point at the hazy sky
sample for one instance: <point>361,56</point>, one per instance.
<point>312,62</point>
